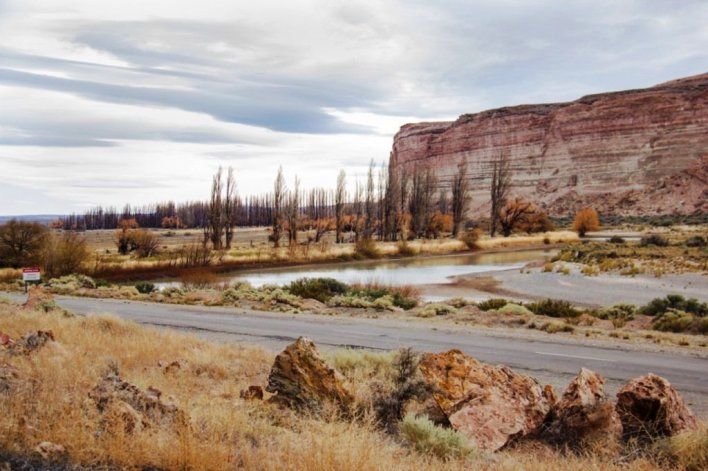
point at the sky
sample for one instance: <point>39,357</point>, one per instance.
<point>105,102</point>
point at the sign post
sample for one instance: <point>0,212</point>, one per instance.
<point>31,275</point>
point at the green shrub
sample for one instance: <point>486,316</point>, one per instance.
<point>427,438</point>
<point>144,287</point>
<point>405,296</point>
<point>349,301</point>
<point>436,309</point>
<point>653,239</point>
<point>673,321</point>
<point>513,308</point>
<point>615,239</point>
<point>553,308</point>
<point>676,302</point>
<point>321,289</point>
<point>555,327</point>
<point>69,283</point>
<point>493,303</point>
<point>696,241</point>
<point>404,302</point>
<point>457,302</point>
<point>618,311</point>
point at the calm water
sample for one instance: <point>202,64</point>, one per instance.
<point>415,271</point>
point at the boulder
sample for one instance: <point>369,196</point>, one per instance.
<point>301,379</point>
<point>6,341</point>
<point>29,342</point>
<point>584,413</point>
<point>147,403</point>
<point>650,406</point>
<point>491,405</point>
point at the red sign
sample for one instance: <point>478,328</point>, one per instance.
<point>31,270</point>
<point>31,274</point>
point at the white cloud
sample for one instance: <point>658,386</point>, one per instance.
<point>146,99</point>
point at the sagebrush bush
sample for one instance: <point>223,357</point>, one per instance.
<point>321,289</point>
<point>653,239</point>
<point>680,321</point>
<point>555,327</point>
<point>618,311</point>
<point>145,287</point>
<point>676,302</point>
<point>426,437</point>
<point>198,278</point>
<point>436,309</point>
<point>553,308</point>
<point>491,304</point>
<point>366,248</point>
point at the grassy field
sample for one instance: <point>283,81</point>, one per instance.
<point>51,402</point>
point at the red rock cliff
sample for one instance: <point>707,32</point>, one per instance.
<point>631,152</point>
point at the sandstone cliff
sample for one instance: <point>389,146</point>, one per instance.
<point>635,152</point>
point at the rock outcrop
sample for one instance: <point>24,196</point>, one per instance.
<point>26,344</point>
<point>584,413</point>
<point>631,152</point>
<point>491,405</point>
<point>135,408</point>
<point>302,380</point>
<point>650,406</point>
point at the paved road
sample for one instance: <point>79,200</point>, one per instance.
<point>553,360</point>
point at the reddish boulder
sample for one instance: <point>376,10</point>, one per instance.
<point>5,340</point>
<point>584,413</point>
<point>301,379</point>
<point>650,406</point>
<point>253,392</point>
<point>147,403</point>
<point>28,343</point>
<point>490,405</point>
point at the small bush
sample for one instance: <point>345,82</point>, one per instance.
<point>366,248</point>
<point>615,239</point>
<point>673,321</point>
<point>427,438</point>
<point>64,255</point>
<point>436,309</point>
<point>145,287</point>
<point>676,302</point>
<point>403,296</point>
<point>470,239</point>
<point>404,383</point>
<point>513,308</point>
<point>321,289</point>
<point>458,303</point>
<point>653,239</point>
<point>555,327</point>
<point>696,241</point>
<point>618,311</point>
<point>491,304</point>
<point>553,308</point>
<point>198,278</point>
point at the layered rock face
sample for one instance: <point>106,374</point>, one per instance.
<point>636,152</point>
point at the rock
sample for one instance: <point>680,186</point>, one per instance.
<point>490,405</point>
<point>50,451</point>
<point>650,406</point>
<point>301,379</point>
<point>6,341</point>
<point>121,414</point>
<point>631,152</point>
<point>30,342</point>
<point>584,413</point>
<point>253,392</point>
<point>148,403</point>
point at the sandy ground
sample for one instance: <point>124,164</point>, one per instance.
<point>601,290</point>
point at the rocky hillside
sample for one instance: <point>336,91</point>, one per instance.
<point>634,152</point>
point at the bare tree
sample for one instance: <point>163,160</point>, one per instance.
<point>358,210</point>
<point>278,203</point>
<point>293,212</point>
<point>216,221</point>
<point>430,183</point>
<point>340,196</point>
<point>501,181</point>
<point>230,207</point>
<point>460,197</point>
<point>369,210</point>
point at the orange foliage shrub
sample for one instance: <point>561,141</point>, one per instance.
<point>586,220</point>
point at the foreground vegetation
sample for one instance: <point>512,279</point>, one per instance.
<point>50,403</point>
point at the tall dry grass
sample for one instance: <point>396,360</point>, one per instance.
<point>223,431</point>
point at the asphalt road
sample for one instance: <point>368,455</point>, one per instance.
<point>552,360</point>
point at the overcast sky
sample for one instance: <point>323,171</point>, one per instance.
<point>107,102</point>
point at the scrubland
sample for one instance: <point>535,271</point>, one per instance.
<point>50,402</point>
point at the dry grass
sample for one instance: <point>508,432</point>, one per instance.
<point>223,431</point>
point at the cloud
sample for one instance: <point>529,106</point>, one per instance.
<point>158,94</point>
